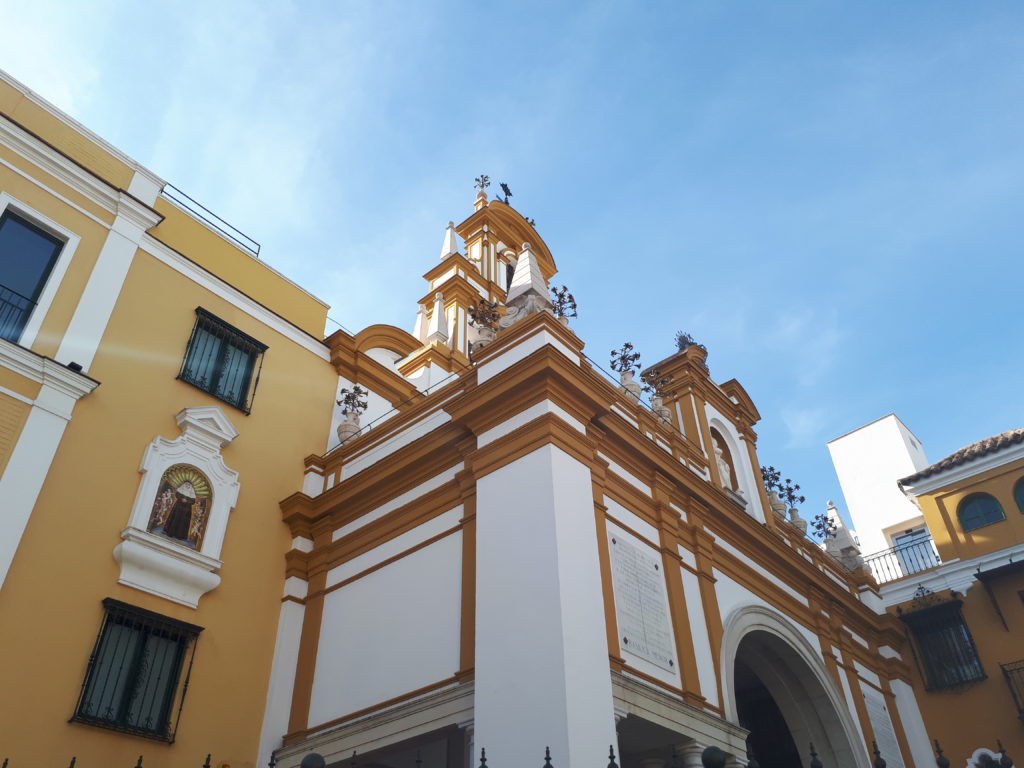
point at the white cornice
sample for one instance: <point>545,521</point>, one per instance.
<point>45,371</point>
<point>136,212</point>
<point>215,285</point>
<point>965,471</point>
<point>57,165</point>
<point>958,575</point>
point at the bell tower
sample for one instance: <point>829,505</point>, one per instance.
<point>494,237</point>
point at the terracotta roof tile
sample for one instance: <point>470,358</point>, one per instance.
<point>968,453</point>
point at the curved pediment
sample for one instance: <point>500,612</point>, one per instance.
<point>509,226</point>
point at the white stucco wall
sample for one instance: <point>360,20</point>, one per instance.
<point>868,462</point>
<point>542,674</point>
<point>392,631</point>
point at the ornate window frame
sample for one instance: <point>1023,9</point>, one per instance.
<point>157,564</point>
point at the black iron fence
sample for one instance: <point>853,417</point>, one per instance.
<point>14,312</point>
<point>903,560</point>
<point>711,757</point>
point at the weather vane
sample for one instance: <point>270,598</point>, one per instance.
<point>506,190</point>
<point>482,182</point>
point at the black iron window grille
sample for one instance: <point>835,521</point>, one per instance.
<point>27,256</point>
<point>134,678</point>
<point>223,361</point>
<point>1014,673</point>
<point>945,647</point>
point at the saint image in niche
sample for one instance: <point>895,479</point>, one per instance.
<point>182,506</point>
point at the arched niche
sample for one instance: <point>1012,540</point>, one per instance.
<point>172,543</point>
<point>793,673</point>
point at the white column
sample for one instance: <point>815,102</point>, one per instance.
<point>37,444</point>
<point>689,755</point>
<point>282,671</point>
<point>97,301</point>
<point>542,674</point>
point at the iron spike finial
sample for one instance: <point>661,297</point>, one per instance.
<point>547,750</point>
<point>273,761</point>
<point>139,764</point>
<point>1004,759</point>
<point>6,759</point>
<point>815,762</point>
<point>353,763</point>
<point>70,765</point>
<point>879,761</point>
<point>483,758</point>
<point>940,759</point>
<point>611,757</point>
<point>207,763</point>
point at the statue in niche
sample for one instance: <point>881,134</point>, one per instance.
<point>723,466</point>
<point>182,506</point>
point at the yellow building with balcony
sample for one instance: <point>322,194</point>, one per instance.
<point>951,567</point>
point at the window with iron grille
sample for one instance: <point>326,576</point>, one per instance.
<point>1014,674</point>
<point>134,680</point>
<point>945,647</point>
<point>223,361</point>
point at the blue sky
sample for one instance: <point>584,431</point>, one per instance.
<point>828,195</point>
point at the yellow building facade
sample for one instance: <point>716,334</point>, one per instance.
<point>966,616</point>
<point>146,362</point>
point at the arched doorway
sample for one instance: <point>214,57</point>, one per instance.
<point>780,691</point>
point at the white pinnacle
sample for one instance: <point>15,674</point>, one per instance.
<point>528,280</point>
<point>420,329</point>
<point>450,246</point>
<point>437,331</point>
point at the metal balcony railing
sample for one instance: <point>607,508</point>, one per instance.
<point>903,560</point>
<point>1014,673</point>
<point>14,312</point>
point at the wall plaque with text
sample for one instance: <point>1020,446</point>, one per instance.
<point>881,724</point>
<point>641,607</point>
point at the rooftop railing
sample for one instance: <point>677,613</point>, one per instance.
<point>903,560</point>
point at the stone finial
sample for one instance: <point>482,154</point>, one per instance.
<point>437,330</point>
<point>420,329</point>
<point>449,247</point>
<point>528,291</point>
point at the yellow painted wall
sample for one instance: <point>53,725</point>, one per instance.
<point>12,418</point>
<point>246,273</point>
<point>940,512</point>
<point>974,715</point>
<point>28,113</point>
<point>64,566</point>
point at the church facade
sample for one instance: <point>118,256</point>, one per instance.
<point>228,534</point>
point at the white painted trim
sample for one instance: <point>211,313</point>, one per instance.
<point>54,193</point>
<point>58,166</point>
<point>49,373</point>
<point>958,575</point>
<point>802,599</point>
<point>631,479</point>
<point>60,267</point>
<point>226,291</point>
<point>96,304</point>
<point>423,488</point>
<point>965,471</point>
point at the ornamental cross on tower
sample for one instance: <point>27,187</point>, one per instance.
<point>482,182</point>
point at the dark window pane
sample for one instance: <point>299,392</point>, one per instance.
<point>27,254</point>
<point>221,360</point>
<point>1018,494</point>
<point>133,677</point>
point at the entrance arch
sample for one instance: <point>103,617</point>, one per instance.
<point>776,686</point>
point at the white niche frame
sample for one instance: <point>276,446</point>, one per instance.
<point>157,564</point>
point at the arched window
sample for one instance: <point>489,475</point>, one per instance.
<point>1018,494</point>
<point>979,509</point>
<point>726,466</point>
